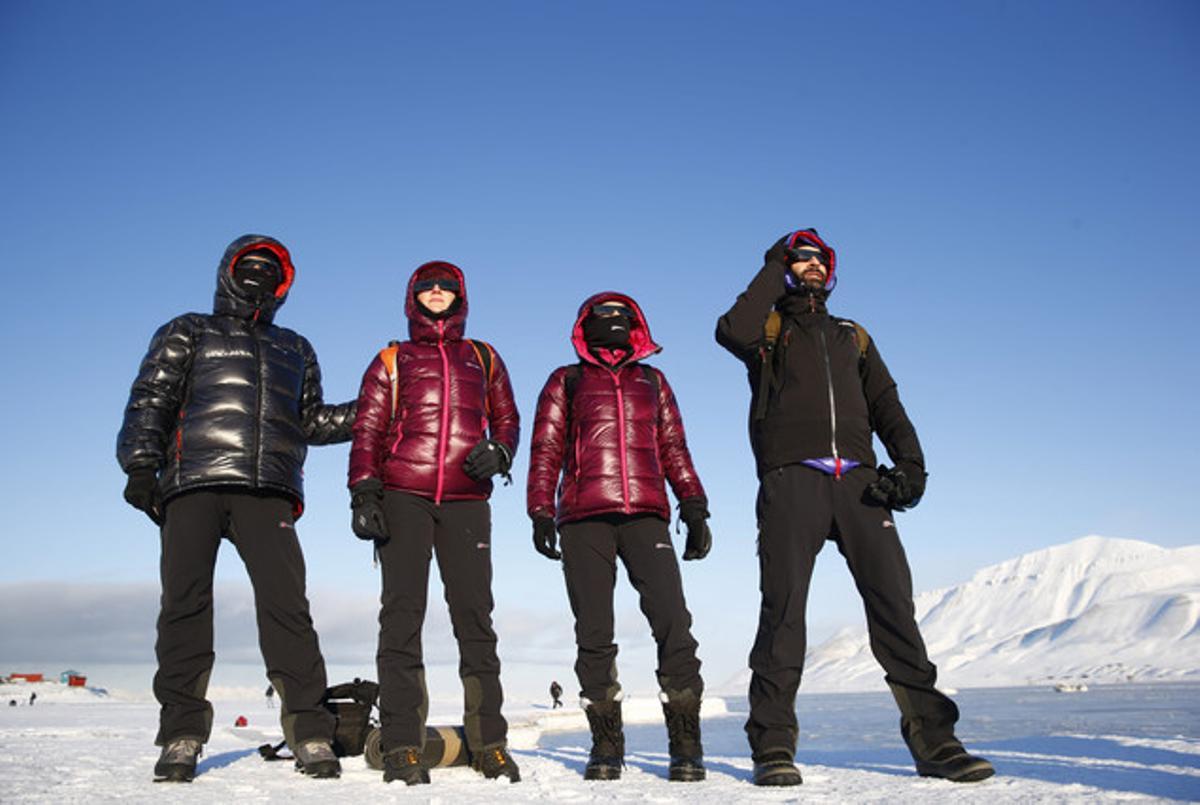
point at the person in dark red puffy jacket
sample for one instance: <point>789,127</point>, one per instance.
<point>436,420</point>
<point>609,427</point>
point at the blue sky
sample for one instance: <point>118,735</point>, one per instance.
<point>1011,187</point>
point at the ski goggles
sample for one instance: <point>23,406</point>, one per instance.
<point>445,283</point>
<point>606,309</point>
<point>808,253</point>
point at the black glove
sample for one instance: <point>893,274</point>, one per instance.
<point>694,514</point>
<point>366,502</point>
<point>486,459</point>
<point>141,492</point>
<point>545,537</point>
<point>900,487</point>
<point>778,253</point>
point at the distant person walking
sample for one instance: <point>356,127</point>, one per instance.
<point>555,695</point>
<point>607,438</point>
<point>819,390</point>
<point>216,430</point>
<point>32,697</point>
<point>270,694</point>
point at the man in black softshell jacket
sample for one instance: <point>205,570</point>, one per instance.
<point>819,390</point>
<point>216,430</point>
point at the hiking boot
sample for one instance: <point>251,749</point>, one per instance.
<point>608,741</point>
<point>952,762</point>
<point>177,763</point>
<point>495,762</point>
<point>404,763</point>
<point>682,713</point>
<point>316,759</point>
<point>775,767</point>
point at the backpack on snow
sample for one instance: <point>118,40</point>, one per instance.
<point>766,353</point>
<point>351,704</point>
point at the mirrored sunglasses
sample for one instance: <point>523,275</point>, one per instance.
<point>804,255</point>
<point>607,309</point>
<point>421,286</point>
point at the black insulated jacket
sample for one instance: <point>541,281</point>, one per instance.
<point>826,397</point>
<point>230,399</point>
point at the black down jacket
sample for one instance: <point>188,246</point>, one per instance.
<point>230,399</point>
<point>828,397</point>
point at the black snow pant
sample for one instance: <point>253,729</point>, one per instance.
<point>263,530</point>
<point>590,548</point>
<point>798,509</point>
<point>459,533</point>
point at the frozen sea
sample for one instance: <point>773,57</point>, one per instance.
<point>1113,743</point>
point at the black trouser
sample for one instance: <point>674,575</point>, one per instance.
<point>460,534</point>
<point>798,509</point>
<point>590,548</point>
<point>264,533</point>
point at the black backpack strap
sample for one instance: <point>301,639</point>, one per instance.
<point>652,376</point>
<point>570,381</point>
<point>766,370</point>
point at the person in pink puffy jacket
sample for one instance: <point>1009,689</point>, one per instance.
<point>607,436</point>
<point>436,420</point>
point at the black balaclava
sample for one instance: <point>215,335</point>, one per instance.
<point>606,332</point>
<point>258,274</point>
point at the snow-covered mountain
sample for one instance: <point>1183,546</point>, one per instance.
<point>1097,608</point>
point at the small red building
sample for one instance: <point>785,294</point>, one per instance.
<point>26,677</point>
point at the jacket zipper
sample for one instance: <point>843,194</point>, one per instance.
<point>837,460</point>
<point>258,401</point>
<point>399,430</point>
<point>616,376</point>
<point>443,437</point>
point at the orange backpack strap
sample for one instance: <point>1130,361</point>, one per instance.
<point>388,356</point>
<point>486,357</point>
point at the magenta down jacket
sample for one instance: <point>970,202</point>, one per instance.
<point>619,442</point>
<point>445,406</point>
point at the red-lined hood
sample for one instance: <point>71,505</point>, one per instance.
<point>232,300</point>
<point>422,327</point>
<point>810,237</point>
<point>639,331</point>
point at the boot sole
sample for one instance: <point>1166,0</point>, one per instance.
<point>603,773</point>
<point>174,775</point>
<point>972,774</point>
<point>687,775</point>
<point>779,777</point>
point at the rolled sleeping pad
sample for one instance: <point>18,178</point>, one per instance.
<point>444,746</point>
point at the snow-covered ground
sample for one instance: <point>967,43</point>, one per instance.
<point>1133,742</point>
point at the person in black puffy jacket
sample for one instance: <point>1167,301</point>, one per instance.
<point>216,430</point>
<point>820,391</point>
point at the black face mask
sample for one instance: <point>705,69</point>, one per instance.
<point>606,331</point>
<point>257,278</point>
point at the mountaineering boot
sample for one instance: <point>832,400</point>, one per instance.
<point>316,759</point>
<point>494,761</point>
<point>404,763</point>
<point>177,763</point>
<point>775,767</point>
<point>952,762</point>
<point>682,712</point>
<point>608,741</point>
